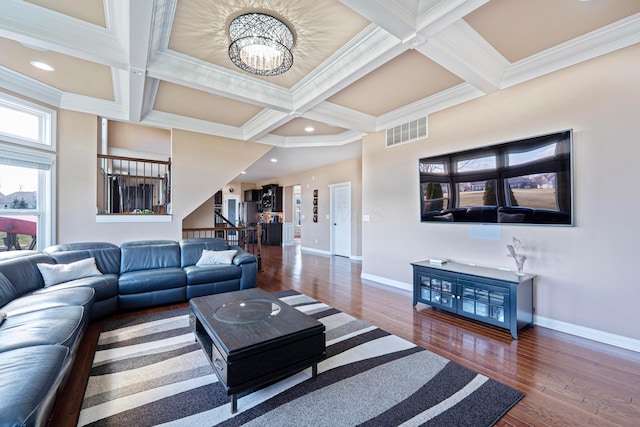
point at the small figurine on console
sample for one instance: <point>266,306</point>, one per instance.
<point>519,258</point>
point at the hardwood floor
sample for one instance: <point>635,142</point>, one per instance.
<point>568,381</point>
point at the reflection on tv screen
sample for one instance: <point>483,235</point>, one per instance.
<point>528,181</point>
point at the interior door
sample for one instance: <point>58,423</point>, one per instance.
<point>231,211</point>
<point>341,219</point>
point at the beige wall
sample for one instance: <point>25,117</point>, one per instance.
<point>77,149</point>
<point>201,164</point>
<point>586,273</point>
<point>147,139</point>
<point>316,236</point>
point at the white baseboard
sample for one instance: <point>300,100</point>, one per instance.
<point>385,281</point>
<point>592,334</point>
<point>545,322</point>
<point>315,251</point>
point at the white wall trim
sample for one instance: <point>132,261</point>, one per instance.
<point>588,333</point>
<point>545,322</point>
<point>385,281</point>
<point>355,257</point>
<point>133,218</point>
<point>315,251</point>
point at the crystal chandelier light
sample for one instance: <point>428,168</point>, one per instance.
<point>260,44</point>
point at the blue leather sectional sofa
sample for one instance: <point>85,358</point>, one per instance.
<point>41,327</point>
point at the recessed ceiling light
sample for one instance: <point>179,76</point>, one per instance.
<point>42,66</point>
<point>274,160</point>
<point>243,172</point>
<point>309,129</point>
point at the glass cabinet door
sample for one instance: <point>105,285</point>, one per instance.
<point>437,290</point>
<point>484,301</point>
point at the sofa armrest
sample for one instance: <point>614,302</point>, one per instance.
<point>242,257</point>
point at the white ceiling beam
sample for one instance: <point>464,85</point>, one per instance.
<point>138,27</point>
<point>461,50</point>
<point>367,51</point>
<point>337,115</point>
<point>164,120</point>
<point>264,122</point>
<point>393,16</point>
<point>435,15</point>
<point>186,71</point>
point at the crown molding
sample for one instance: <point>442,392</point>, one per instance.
<point>448,98</point>
<point>29,87</point>
<point>311,141</point>
<point>97,106</point>
<point>36,26</point>
<point>610,38</point>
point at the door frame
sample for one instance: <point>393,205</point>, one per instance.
<point>332,215</point>
<point>225,210</point>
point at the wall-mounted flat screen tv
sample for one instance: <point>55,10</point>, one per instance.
<point>528,181</point>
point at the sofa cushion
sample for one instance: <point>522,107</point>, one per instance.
<point>211,273</point>
<point>29,380</point>
<point>148,255</point>
<point>135,282</point>
<point>23,273</point>
<point>7,291</point>
<point>57,325</point>
<point>107,255</point>
<point>216,257</point>
<point>105,286</point>
<point>52,274</point>
<point>37,300</point>
<point>191,249</point>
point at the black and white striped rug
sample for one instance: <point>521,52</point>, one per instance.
<point>149,371</point>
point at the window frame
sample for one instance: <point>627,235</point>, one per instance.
<point>27,151</point>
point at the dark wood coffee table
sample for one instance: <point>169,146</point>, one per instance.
<point>252,338</point>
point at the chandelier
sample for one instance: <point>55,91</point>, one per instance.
<point>260,44</point>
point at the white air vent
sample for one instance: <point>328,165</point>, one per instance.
<point>407,132</point>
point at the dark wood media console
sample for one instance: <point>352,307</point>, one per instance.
<point>489,295</point>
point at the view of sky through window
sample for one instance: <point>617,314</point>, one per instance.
<point>15,178</point>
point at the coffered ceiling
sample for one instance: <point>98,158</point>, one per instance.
<point>360,66</point>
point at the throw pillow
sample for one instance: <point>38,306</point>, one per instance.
<point>60,273</point>
<point>216,257</point>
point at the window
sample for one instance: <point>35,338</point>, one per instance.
<point>537,191</point>
<point>435,196</point>
<point>26,174</point>
<point>477,193</point>
<point>26,124</point>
